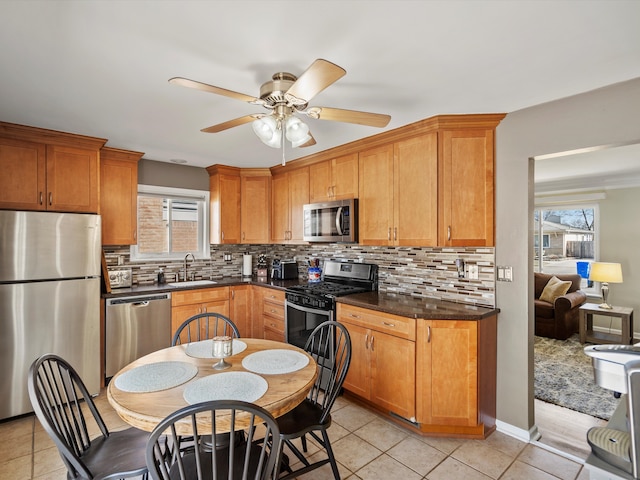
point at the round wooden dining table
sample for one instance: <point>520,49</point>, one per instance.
<point>145,408</point>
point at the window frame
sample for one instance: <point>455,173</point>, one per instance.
<point>174,193</point>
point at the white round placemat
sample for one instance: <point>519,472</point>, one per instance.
<point>272,362</point>
<point>203,348</point>
<point>156,376</point>
<point>244,386</point>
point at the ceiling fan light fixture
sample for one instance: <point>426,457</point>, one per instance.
<point>266,128</point>
<point>297,131</point>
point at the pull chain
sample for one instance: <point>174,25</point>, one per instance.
<point>283,135</point>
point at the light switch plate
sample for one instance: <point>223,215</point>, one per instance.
<point>505,274</point>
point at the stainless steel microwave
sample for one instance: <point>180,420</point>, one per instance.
<point>335,221</point>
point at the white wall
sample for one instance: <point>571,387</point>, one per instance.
<point>605,116</point>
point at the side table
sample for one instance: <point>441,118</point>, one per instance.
<point>587,334</point>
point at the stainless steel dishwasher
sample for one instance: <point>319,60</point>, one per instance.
<point>134,327</point>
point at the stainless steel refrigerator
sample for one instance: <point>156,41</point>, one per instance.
<point>50,267</point>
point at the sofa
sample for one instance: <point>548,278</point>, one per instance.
<point>558,319</point>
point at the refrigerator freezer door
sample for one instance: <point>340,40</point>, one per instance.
<point>48,245</point>
<point>61,317</point>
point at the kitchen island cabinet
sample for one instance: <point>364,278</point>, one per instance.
<point>382,368</point>
<point>187,303</point>
<point>48,170</point>
<point>119,196</point>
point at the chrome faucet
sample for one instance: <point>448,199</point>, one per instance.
<point>193,259</point>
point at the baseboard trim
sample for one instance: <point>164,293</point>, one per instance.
<point>525,435</point>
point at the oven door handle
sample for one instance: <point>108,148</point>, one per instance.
<point>329,313</point>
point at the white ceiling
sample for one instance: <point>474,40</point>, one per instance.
<point>100,68</point>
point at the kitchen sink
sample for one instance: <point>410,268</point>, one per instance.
<point>191,283</point>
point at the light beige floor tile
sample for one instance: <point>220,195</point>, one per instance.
<point>324,472</point>
<point>444,444</point>
<point>584,474</point>
<point>452,469</point>
<point>18,446</point>
<point>520,471</point>
<point>417,455</point>
<point>353,417</point>
<point>336,432</point>
<point>354,453</point>
<point>57,475</point>
<point>16,468</point>
<point>504,443</point>
<point>483,458</point>
<point>46,461</point>
<point>550,462</point>
<point>384,467</point>
<point>381,434</point>
<point>9,431</point>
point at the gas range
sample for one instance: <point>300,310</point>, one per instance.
<point>338,279</point>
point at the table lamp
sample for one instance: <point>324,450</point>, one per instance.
<point>605,273</point>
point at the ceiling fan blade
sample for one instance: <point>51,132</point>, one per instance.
<point>185,82</point>
<point>349,116</point>
<point>311,142</point>
<point>313,80</point>
<point>231,123</point>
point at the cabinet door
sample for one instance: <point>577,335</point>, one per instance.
<point>466,195</point>
<point>180,314</point>
<point>118,200</point>
<point>255,211</point>
<point>447,373</point>
<point>240,308</point>
<point>280,208</point>
<point>320,185</point>
<point>415,180</point>
<point>298,196</point>
<point>358,378</point>
<point>376,196</point>
<point>393,362</point>
<point>344,174</point>
<point>229,223</point>
<point>72,179</point>
<point>23,179</point>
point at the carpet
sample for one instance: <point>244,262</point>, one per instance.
<point>564,376</point>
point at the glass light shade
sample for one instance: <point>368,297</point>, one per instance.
<point>297,131</point>
<point>266,128</point>
<point>606,272</point>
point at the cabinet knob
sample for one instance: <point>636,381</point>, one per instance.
<point>389,234</point>
<point>389,324</point>
<point>353,315</point>
<point>372,340</point>
<point>50,198</point>
<point>395,233</point>
<point>41,198</point>
<point>366,341</point>
<point>429,334</point>
<point>449,232</point>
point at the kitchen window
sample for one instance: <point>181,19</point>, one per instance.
<point>171,223</point>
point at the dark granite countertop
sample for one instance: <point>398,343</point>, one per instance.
<point>220,282</point>
<point>415,307</point>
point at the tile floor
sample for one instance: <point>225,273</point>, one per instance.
<point>367,447</point>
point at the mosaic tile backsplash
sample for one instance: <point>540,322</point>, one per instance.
<point>417,271</point>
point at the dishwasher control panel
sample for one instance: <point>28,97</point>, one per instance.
<point>120,278</point>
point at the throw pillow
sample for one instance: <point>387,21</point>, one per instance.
<point>554,288</point>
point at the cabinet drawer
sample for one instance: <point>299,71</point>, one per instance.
<point>272,295</point>
<point>275,324</point>
<point>187,297</point>
<point>273,310</point>
<point>402,327</point>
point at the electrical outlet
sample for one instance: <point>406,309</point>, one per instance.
<point>227,257</point>
<point>473,272</point>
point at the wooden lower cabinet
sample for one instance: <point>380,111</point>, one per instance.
<point>186,303</point>
<point>456,376</point>
<point>382,368</point>
<point>268,313</point>
<point>240,308</point>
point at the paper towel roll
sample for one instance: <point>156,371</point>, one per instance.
<point>246,265</point>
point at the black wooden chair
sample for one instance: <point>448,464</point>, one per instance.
<point>245,457</point>
<point>204,326</point>
<point>64,407</point>
<point>330,345</point>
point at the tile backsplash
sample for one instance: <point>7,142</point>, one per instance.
<point>418,271</point>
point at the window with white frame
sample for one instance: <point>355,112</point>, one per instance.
<point>171,223</point>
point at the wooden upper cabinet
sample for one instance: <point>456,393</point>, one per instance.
<point>334,179</point>
<point>49,170</point>
<point>119,196</point>
<point>224,188</point>
<point>290,191</point>
<point>398,193</point>
<point>23,179</point>
<point>375,204</point>
<point>466,188</point>
<point>255,201</point>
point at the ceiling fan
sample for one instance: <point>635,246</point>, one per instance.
<point>284,96</point>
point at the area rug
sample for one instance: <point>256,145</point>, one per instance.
<point>564,376</point>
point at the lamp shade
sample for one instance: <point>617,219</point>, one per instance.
<point>297,131</point>
<point>606,272</point>
<point>266,128</point>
